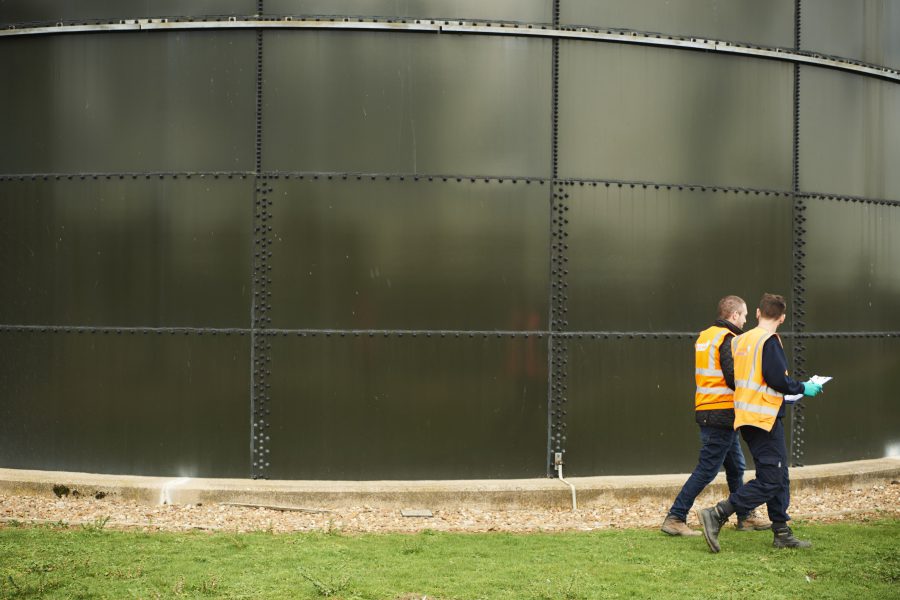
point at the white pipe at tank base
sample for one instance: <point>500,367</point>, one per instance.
<point>572,487</point>
<point>165,495</point>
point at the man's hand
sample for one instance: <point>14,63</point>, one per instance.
<point>811,389</point>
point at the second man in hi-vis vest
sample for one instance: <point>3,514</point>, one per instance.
<point>761,382</point>
<point>714,406</point>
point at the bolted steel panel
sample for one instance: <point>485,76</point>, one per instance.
<point>125,252</point>
<point>128,102</point>
<point>759,22</point>
<point>145,404</point>
<point>849,134</point>
<point>631,406</point>
<point>852,267</point>
<point>406,103</point>
<point>857,416</point>
<point>392,254</point>
<point>530,11</point>
<point>391,407</point>
<point>866,30</point>
<point>648,259</point>
<point>647,114</point>
<point>29,11</point>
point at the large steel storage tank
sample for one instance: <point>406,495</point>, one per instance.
<point>435,239</point>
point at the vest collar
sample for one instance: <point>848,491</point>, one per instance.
<point>729,325</point>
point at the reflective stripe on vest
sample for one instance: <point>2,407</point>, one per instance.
<point>755,403</point>
<point>763,410</point>
<point>726,391</point>
<point>712,392</point>
<point>709,372</point>
<point>755,387</point>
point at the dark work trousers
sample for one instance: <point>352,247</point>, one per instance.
<point>772,484</point>
<point>718,447</point>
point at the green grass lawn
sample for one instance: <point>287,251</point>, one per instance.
<point>857,561</point>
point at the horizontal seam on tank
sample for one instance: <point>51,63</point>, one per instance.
<point>273,331</point>
<point>434,177</point>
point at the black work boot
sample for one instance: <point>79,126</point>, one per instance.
<point>784,537</point>
<point>712,520</point>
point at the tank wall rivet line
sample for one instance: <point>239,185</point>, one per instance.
<point>559,407</point>
<point>412,333</point>
<point>852,199</point>
<point>122,175</point>
<point>559,337</point>
<point>444,177</point>
<point>262,319</point>
<point>798,263</point>
<point>849,334</point>
<point>553,347</point>
<point>398,176</point>
<point>261,301</point>
<point>691,187</point>
<point>259,101</point>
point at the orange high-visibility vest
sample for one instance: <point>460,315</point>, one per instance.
<point>712,391</point>
<point>755,403</point>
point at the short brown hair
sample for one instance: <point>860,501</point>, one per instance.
<point>772,306</point>
<point>729,305</point>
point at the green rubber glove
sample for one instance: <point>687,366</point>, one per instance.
<point>811,389</point>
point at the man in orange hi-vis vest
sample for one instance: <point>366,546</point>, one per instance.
<point>714,409</point>
<point>761,381</point>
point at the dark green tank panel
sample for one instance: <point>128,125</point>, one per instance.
<point>761,22</point>
<point>527,11</point>
<point>865,30</point>
<point>849,135</point>
<point>430,406</point>
<point>406,103</point>
<point>128,252</point>
<point>99,103</point>
<point>629,398</point>
<point>40,11</point>
<point>406,254</point>
<point>854,281</point>
<point>716,120</point>
<point>658,258</point>
<point>149,403</point>
<point>858,415</point>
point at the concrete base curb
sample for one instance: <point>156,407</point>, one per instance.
<point>487,494</point>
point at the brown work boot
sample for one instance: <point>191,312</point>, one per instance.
<point>675,526</point>
<point>753,522</point>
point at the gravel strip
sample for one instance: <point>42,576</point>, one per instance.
<point>875,500</point>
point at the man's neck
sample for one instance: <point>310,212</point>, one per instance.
<point>769,325</point>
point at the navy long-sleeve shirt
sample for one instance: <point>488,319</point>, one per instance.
<point>775,370</point>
